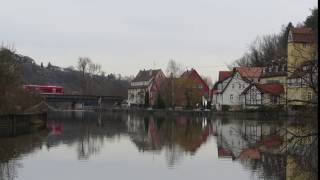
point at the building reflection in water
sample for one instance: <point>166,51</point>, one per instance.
<point>259,146</point>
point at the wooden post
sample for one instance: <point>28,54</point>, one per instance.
<point>14,125</point>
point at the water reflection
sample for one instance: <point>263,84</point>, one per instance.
<point>261,148</point>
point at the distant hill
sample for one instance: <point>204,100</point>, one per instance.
<point>69,78</point>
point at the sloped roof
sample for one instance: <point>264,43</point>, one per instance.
<point>224,75</point>
<point>270,88</point>
<point>303,34</point>
<point>249,72</point>
<point>223,152</point>
<point>188,73</point>
<point>250,153</point>
<point>146,75</point>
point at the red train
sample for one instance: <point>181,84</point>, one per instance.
<point>44,89</point>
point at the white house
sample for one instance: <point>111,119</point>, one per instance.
<point>147,82</point>
<point>227,93</point>
<point>224,78</point>
<point>234,136</point>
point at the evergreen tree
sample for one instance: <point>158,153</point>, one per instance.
<point>160,102</point>
<point>146,100</point>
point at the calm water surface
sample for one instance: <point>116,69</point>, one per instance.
<point>87,145</point>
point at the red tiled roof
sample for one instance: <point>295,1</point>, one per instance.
<point>271,88</point>
<point>251,153</point>
<point>224,152</point>
<point>249,72</point>
<point>271,141</point>
<point>224,75</point>
<point>303,34</point>
<point>189,74</point>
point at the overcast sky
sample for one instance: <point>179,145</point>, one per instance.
<point>127,35</point>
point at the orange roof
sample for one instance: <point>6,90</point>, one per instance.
<point>252,153</point>
<point>224,75</point>
<point>303,34</point>
<point>271,88</point>
<point>249,72</point>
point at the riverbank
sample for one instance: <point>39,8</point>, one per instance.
<point>17,124</point>
<point>262,115</point>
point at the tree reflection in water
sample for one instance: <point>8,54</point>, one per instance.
<point>11,149</point>
<point>278,149</point>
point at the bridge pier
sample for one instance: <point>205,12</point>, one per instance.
<point>77,105</point>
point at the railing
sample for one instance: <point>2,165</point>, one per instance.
<point>66,97</point>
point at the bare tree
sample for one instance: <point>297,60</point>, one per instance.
<point>174,68</point>
<point>83,64</point>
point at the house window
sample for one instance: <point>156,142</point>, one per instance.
<point>304,68</point>
<point>239,86</point>
<point>309,96</point>
<point>231,97</point>
<point>274,100</point>
<point>232,86</point>
<point>304,45</point>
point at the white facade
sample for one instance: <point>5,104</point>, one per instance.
<point>254,98</point>
<point>136,95</point>
<point>139,88</point>
<point>230,95</point>
<point>239,135</point>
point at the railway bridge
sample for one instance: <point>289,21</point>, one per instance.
<point>79,101</point>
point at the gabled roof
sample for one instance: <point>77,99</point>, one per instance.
<point>146,75</point>
<point>270,88</point>
<point>302,35</point>
<point>188,73</point>
<point>224,75</point>
<point>223,152</point>
<point>249,72</point>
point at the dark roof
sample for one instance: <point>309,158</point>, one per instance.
<point>146,75</point>
<point>138,87</point>
<point>187,73</point>
<point>249,72</point>
<point>303,34</point>
<point>269,88</point>
<point>279,61</point>
<point>224,75</point>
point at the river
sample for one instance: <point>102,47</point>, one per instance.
<point>89,145</point>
